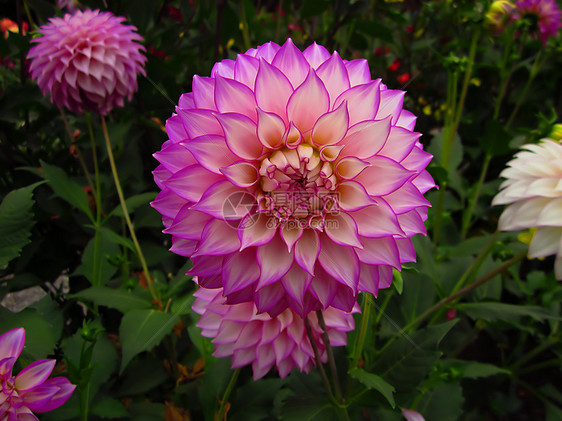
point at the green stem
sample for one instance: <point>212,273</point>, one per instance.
<point>504,77</point>
<point>331,360</point>
<point>319,364</point>
<point>473,199</point>
<point>278,24</point>
<point>537,64</point>
<point>149,280</point>
<point>555,362</point>
<point>227,392</point>
<point>534,352</point>
<point>367,304</point>
<point>456,295</point>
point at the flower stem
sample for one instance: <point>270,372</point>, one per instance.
<point>473,199</point>
<point>244,26</point>
<point>367,304</point>
<point>149,280</point>
<point>331,360</point>
<point>319,364</point>
<point>537,64</point>
<point>226,395</point>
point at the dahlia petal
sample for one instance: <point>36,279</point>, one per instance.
<point>546,241</point>
<point>249,336</point>
<point>186,101</point>
<point>307,250</point>
<point>239,271</point>
<point>391,105</point>
<point>362,101</point>
<point>342,229</point>
<point>233,96</point>
<point>38,396</point>
<point>241,174</point>
<point>220,201</point>
<point>406,120</point>
<point>345,298</point>
<point>293,137</point>
<point>384,176</point>
<point>65,389</point>
<point>167,203</point>
<point>377,221</point>
<point>335,77</point>
<point>274,261</point>
<point>406,250</point>
<point>6,366</point>
<point>246,69</point>
<point>385,276</point>
<point>267,51</point>
<point>331,127</point>
<point>200,122</point>
<point>175,129</point>
<point>175,157</point>
<point>349,167</point>
<point>296,282</point>
<point>323,287</point>
<point>273,90</point>
<point>224,68</point>
<point>380,251</point>
<point>211,152</point>
<point>34,374</point>
<point>271,129</point>
<point>369,279</point>
<point>358,71</point>
<point>423,182</point>
<point>291,233</point>
<point>309,101</point>
<point>191,182</point>
<point>523,214</point>
<point>204,92</point>
<point>229,332</point>
<point>405,199</point>
<point>256,230</point>
<point>366,139</point>
<point>291,61</point>
<point>399,144</point>
<point>551,215</point>
<point>412,223</point>
<point>188,224</point>
<point>316,55</point>
<point>340,262</point>
<point>271,299</point>
<point>206,266</point>
<point>241,135</point>
<point>183,247</point>
<point>11,344</point>
<point>242,357</point>
<point>218,238</point>
<point>352,196</point>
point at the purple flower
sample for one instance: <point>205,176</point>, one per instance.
<point>293,180</point>
<point>544,14</point>
<point>29,390</point>
<point>263,341</point>
<point>87,61</point>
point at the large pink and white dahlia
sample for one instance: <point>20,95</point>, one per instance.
<point>533,190</point>
<point>87,61</point>
<point>292,179</point>
<point>29,390</point>
<point>263,341</point>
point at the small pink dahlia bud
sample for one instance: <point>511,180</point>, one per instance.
<point>533,190</point>
<point>31,390</point>
<point>264,341</point>
<point>87,61</point>
<point>292,179</point>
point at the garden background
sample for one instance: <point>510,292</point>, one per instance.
<point>470,331</point>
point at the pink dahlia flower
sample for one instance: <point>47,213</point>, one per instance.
<point>533,190</point>
<point>29,390</point>
<point>292,179</point>
<point>264,341</point>
<point>544,14</point>
<point>87,61</point>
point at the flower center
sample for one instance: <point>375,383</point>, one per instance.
<point>297,185</point>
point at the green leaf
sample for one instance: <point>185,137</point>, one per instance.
<point>397,281</point>
<point>133,203</point>
<point>443,403</point>
<point>107,248</point>
<point>113,298</point>
<point>66,188</point>
<point>376,30</point>
<point>16,221</point>
<point>492,311</point>
<point>496,139</point>
<point>141,330</point>
<point>372,381</point>
<point>109,408</point>
<point>473,369</point>
<point>406,361</point>
<point>312,8</point>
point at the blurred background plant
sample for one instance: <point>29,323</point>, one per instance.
<point>469,331</point>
